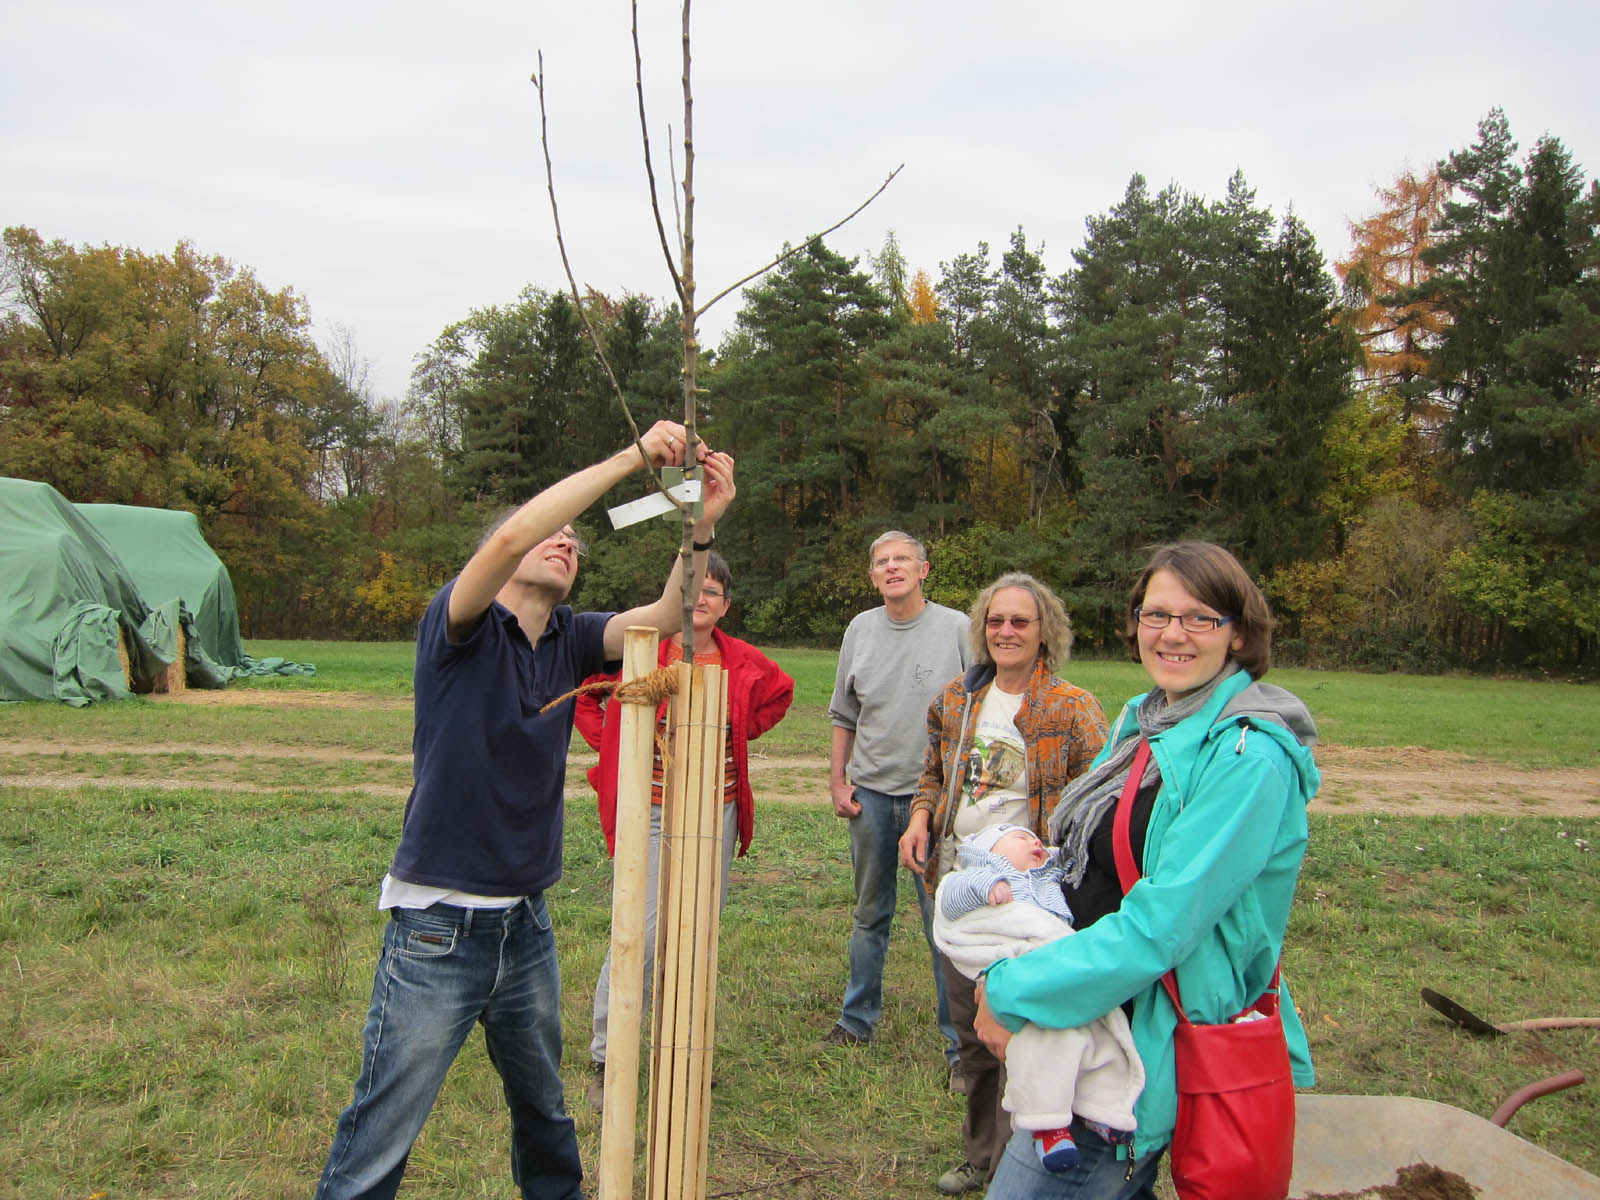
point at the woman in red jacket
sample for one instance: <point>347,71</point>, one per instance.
<point>759,693</point>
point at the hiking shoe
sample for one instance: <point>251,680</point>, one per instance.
<point>840,1036</point>
<point>965,1178</point>
<point>597,1087</point>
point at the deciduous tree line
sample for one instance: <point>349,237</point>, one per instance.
<point>1405,449</point>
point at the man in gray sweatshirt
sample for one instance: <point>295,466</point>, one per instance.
<point>894,660</point>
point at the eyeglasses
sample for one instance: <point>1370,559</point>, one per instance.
<point>1154,618</point>
<point>712,593</point>
<point>893,560</point>
<point>1020,624</point>
<point>579,546</point>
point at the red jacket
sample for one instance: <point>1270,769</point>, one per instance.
<point>759,693</point>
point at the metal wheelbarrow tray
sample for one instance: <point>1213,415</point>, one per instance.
<point>1352,1143</point>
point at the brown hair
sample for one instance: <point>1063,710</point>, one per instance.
<point>1055,629</point>
<point>717,568</point>
<point>1215,578</point>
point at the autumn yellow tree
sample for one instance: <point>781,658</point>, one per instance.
<point>923,300</point>
<point>1383,278</point>
<point>173,381</point>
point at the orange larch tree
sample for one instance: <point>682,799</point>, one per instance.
<point>924,302</point>
<point>1383,277</point>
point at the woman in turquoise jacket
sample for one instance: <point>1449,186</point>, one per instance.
<point>1219,832</point>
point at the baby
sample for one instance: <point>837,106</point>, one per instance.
<point>1092,1070</point>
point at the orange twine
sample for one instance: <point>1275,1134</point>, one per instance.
<point>649,689</point>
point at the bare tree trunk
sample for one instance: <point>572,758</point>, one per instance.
<point>691,349</point>
<point>838,424</point>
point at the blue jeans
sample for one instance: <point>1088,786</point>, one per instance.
<point>1099,1175</point>
<point>444,969</point>
<point>875,856</point>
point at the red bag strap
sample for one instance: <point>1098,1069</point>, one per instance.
<point>1128,874</point>
<point>1121,844</point>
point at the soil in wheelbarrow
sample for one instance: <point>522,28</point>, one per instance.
<point>1419,1181</point>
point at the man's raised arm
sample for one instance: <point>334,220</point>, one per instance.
<point>494,562</point>
<point>665,613</point>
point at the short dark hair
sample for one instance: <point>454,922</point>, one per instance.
<point>717,568</point>
<point>1215,578</point>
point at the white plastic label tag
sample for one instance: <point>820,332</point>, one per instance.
<point>653,505</point>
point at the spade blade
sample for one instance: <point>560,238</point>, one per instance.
<point>1461,1016</point>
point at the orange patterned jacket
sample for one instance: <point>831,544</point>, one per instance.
<point>1062,727</point>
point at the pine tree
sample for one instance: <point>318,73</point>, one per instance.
<point>1473,264</point>
<point>1016,349</point>
<point>889,265</point>
<point>1210,370</point>
<point>790,399</point>
<point>1520,271</point>
<point>531,397</point>
<point>921,457</point>
<point>966,285</point>
<point>1286,370</point>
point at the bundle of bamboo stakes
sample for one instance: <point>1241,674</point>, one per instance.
<point>688,917</point>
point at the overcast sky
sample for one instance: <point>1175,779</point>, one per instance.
<point>383,160</point>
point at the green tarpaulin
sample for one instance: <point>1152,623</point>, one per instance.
<point>170,560</point>
<point>64,597</point>
<point>180,576</point>
<point>74,577</point>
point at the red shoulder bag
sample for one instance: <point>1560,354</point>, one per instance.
<point>1234,1139</point>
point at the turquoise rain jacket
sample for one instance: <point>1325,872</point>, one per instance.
<point>1226,838</point>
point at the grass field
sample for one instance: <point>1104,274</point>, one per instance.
<point>188,932</point>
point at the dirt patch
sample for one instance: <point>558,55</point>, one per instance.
<point>1401,781</point>
<point>64,782</point>
<point>1417,782</point>
<point>1420,1181</point>
<point>273,698</point>
<point>202,750</point>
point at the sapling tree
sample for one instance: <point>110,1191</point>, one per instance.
<point>678,252</point>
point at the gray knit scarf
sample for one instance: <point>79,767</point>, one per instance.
<point>1086,800</point>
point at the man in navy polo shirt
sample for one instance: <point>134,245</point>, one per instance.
<point>469,938</point>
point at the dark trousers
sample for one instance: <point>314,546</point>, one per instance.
<point>987,1127</point>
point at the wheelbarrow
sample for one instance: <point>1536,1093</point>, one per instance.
<point>1353,1143</point>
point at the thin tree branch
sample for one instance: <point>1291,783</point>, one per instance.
<point>649,169</point>
<point>792,251</point>
<point>577,299</point>
<point>672,169</point>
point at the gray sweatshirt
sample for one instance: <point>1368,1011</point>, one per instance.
<point>889,673</point>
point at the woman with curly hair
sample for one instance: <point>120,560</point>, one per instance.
<point>1004,739</point>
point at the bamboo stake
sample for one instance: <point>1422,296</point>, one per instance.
<point>692,880</point>
<point>710,895</point>
<point>663,1132</point>
<point>687,915</point>
<point>664,1000</point>
<point>629,883</point>
<point>691,1054</point>
<point>719,856</point>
